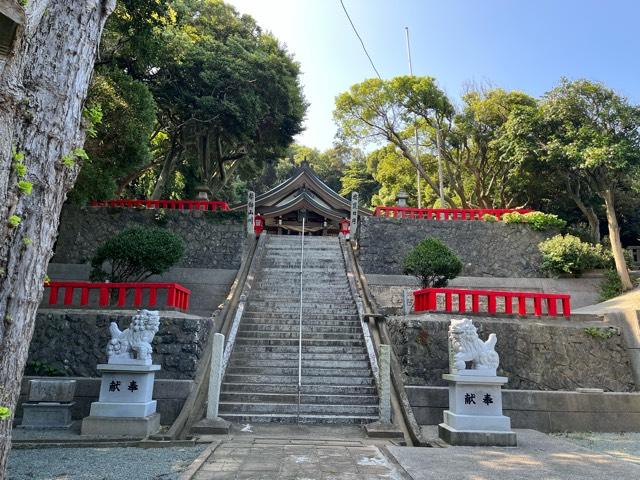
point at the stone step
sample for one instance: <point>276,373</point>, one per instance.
<point>254,397</point>
<point>292,408</point>
<point>306,371</point>
<point>293,363</point>
<point>317,342</point>
<point>307,311</point>
<point>295,335</point>
<point>306,349</point>
<point>280,388</point>
<point>293,357</point>
<point>306,320</point>
<point>306,419</point>
<point>307,314</point>
<point>293,379</point>
<point>306,328</point>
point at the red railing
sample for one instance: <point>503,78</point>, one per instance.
<point>444,213</point>
<point>427,300</point>
<point>172,204</point>
<point>177,296</point>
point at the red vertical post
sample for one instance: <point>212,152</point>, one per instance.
<point>171,295</point>
<point>137,296</point>
<point>566,306</point>
<point>522,305</point>
<point>84,296</point>
<point>475,302</point>
<point>186,302</point>
<point>104,296</point>
<point>68,295</point>
<point>53,295</point>
<point>537,305</point>
<point>122,296</point>
<point>508,304</point>
<point>491,298</point>
<point>462,303</point>
<point>552,303</point>
<point>433,300</point>
<point>153,296</point>
<point>448,301</point>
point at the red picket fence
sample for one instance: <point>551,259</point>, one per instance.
<point>427,300</point>
<point>444,213</point>
<point>177,296</point>
<point>171,204</point>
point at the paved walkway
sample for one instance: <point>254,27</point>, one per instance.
<point>302,453</point>
<point>538,456</point>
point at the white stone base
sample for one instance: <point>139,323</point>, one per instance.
<point>476,438</point>
<point>108,409</point>
<point>493,423</point>
<point>121,427</point>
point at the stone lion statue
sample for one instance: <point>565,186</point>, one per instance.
<point>134,343</point>
<point>466,346</point>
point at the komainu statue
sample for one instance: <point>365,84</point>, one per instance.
<point>466,346</point>
<point>133,345</point>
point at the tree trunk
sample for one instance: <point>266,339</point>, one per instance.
<point>614,238</point>
<point>167,169</point>
<point>43,86</point>
<point>587,211</point>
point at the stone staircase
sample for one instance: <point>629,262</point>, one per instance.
<point>260,383</point>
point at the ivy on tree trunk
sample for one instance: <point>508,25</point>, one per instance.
<point>43,86</point>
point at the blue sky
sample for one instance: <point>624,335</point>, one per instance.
<point>514,44</point>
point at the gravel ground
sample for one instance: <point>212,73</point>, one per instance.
<point>101,463</point>
<point>625,446</point>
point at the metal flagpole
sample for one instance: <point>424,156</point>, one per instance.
<point>415,123</point>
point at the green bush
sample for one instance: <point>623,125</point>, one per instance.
<point>569,255</point>
<point>136,254</point>
<point>487,217</point>
<point>4,412</point>
<point>537,220</point>
<point>43,369</point>
<point>611,286</point>
<point>432,262</point>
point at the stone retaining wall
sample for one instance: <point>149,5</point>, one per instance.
<point>170,394</point>
<point>561,411</point>
<point>486,249</point>
<point>212,239</point>
<point>75,341</point>
<point>535,354</point>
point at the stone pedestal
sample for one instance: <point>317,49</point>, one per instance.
<point>474,417</point>
<point>49,404</point>
<point>125,406</point>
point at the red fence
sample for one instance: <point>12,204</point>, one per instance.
<point>427,300</point>
<point>172,204</point>
<point>177,296</point>
<point>444,213</point>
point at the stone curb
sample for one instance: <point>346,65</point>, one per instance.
<point>195,466</point>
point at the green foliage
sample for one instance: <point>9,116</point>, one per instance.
<point>43,369</point>
<point>5,412</point>
<point>536,220</point>
<point>25,187</point>
<point>611,286</point>
<point>432,262</point>
<point>135,254</point>
<point>14,221</point>
<point>487,217</point>
<point>601,333</point>
<point>21,169</point>
<point>26,241</point>
<point>569,255</point>
<point>93,117</point>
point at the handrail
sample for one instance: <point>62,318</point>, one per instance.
<point>444,213</point>
<point>170,204</point>
<point>177,295</point>
<point>426,300</point>
<point>300,322</point>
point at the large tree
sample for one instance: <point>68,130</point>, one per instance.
<point>43,86</point>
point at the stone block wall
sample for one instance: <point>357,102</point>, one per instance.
<point>535,354</point>
<point>75,341</point>
<point>212,239</point>
<point>485,249</point>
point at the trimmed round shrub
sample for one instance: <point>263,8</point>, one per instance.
<point>136,254</point>
<point>432,262</point>
<point>569,255</point>
<point>487,217</point>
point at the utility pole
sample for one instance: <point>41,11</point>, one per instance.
<point>439,156</point>
<point>415,122</point>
